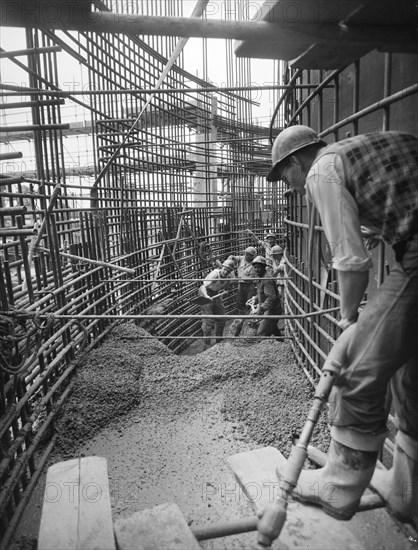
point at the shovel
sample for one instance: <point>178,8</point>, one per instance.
<point>202,300</point>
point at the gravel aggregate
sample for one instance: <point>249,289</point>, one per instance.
<point>263,386</point>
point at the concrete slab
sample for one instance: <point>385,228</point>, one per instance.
<point>306,526</point>
<point>160,528</point>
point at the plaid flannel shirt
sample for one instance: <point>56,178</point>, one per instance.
<point>381,173</point>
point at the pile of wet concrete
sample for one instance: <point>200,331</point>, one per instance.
<point>264,389</point>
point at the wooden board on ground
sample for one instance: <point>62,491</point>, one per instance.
<point>306,526</point>
<point>76,511</point>
<point>161,528</point>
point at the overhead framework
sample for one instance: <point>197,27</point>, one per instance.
<point>313,35</point>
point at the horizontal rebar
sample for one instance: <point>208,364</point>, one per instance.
<point>29,51</point>
<point>86,92</point>
<point>186,337</point>
<point>11,155</point>
<point>168,316</point>
<point>33,127</point>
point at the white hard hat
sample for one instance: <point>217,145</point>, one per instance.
<point>289,141</point>
<point>229,264</point>
<point>250,250</point>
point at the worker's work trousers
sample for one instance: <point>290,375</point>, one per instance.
<point>382,352</point>
<point>245,292</point>
<point>269,326</point>
<point>216,307</point>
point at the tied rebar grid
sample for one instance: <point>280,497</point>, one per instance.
<point>175,198</point>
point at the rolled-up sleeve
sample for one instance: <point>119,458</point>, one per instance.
<point>339,214</point>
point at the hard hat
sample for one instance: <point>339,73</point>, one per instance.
<point>260,260</point>
<point>250,250</point>
<point>289,141</point>
<point>277,249</point>
<point>270,235</point>
<point>230,264</point>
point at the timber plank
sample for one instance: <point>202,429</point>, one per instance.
<point>76,511</point>
<point>59,520</point>
<point>331,35</point>
<point>327,58</point>
<point>95,515</point>
<point>160,528</point>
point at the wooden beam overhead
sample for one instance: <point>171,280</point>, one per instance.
<point>332,58</point>
<point>309,34</point>
<point>277,31</point>
<point>335,33</point>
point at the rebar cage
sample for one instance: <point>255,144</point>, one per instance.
<point>166,182</point>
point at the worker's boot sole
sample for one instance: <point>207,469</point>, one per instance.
<point>344,514</point>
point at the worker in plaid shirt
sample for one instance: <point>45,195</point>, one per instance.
<point>365,184</point>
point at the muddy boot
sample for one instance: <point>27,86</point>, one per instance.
<point>219,333</point>
<point>206,340</point>
<point>338,486</point>
<point>399,486</point>
<point>206,343</point>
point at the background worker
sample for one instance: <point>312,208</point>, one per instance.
<point>277,269</point>
<point>267,244</point>
<point>369,180</point>
<point>276,261</point>
<point>267,300</point>
<point>215,282</point>
<point>246,278</point>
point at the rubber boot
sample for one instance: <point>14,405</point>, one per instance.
<point>399,486</point>
<point>206,340</point>
<point>219,333</point>
<point>338,486</point>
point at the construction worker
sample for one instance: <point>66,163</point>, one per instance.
<point>267,244</point>
<point>277,269</point>
<point>246,278</point>
<point>214,283</point>
<point>372,180</point>
<point>276,261</point>
<point>267,299</point>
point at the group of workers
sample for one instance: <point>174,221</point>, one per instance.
<point>362,186</point>
<point>257,282</point>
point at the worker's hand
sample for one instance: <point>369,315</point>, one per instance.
<point>371,239</point>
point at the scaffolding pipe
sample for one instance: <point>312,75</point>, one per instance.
<point>123,317</point>
<point>17,91</point>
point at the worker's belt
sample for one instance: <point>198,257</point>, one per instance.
<point>400,248</point>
